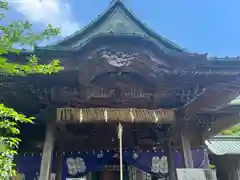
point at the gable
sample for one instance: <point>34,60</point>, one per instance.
<point>118,20</point>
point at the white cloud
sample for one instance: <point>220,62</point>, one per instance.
<point>52,12</point>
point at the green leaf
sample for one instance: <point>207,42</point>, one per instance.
<point>3,148</point>
<point>18,32</point>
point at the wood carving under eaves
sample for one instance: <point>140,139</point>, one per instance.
<point>76,97</point>
<point>42,98</point>
<point>213,98</point>
<point>205,121</point>
<point>120,59</point>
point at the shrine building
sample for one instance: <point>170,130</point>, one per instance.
<point>129,104</point>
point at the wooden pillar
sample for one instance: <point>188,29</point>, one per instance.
<point>46,162</point>
<point>171,162</point>
<point>89,177</point>
<point>186,150</point>
<point>59,167</point>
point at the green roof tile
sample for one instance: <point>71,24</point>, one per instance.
<point>222,145</point>
<point>117,19</point>
<point>235,102</point>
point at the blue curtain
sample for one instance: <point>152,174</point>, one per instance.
<point>79,164</point>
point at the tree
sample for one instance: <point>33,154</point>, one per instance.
<point>233,131</point>
<point>17,33</point>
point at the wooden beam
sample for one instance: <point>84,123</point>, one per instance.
<point>46,162</point>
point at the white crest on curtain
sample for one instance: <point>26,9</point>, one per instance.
<point>76,165</point>
<point>116,155</point>
<point>159,165</point>
<point>100,155</point>
<point>135,156</point>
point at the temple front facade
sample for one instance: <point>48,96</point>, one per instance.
<point>129,104</point>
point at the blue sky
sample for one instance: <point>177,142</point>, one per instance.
<point>211,26</point>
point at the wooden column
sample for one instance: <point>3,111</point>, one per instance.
<point>89,177</point>
<point>59,167</point>
<point>171,163</point>
<point>46,162</point>
<point>186,149</point>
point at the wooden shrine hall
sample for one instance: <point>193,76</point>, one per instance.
<point>123,88</point>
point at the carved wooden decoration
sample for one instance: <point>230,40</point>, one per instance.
<point>123,58</point>
<point>76,96</point>
<point>221,94</point>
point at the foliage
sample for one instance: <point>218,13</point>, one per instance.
<point>17,33</point>
<point>212,166</point>
<point>233,131</point>
<point>9,125</point>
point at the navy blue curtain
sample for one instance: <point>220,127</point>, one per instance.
<point>79,164</point>
<point>30,166</point>
<point>156,162</point>
<point>200,159</point>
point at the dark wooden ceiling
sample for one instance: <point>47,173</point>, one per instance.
<point>73,137</point>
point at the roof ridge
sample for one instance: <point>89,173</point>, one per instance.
<point>234,102</point>
<point>150,29</point>
<point>89,24</point>
<point>115,4</point>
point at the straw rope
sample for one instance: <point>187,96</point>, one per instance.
<point>111,114</point>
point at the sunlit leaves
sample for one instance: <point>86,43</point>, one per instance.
<point>18,34</point>
<point>3,8</point>
<point>233,131</point>
<point>32,67</point>
<point>8,143</point>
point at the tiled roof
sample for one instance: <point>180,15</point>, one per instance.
<point>125,15</point>
<point>222,145</point>
<point>235,101</point>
